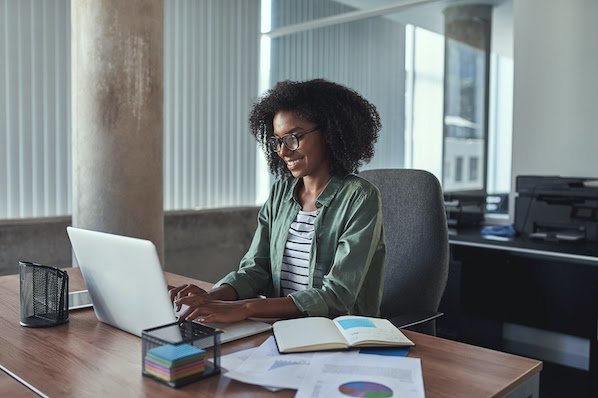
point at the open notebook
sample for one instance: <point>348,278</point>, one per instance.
<point>318,333</point>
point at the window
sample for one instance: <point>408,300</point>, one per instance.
<point>458,169</point>
<point>473,168</point>
<point>423,111</point>
<point>424,66</point>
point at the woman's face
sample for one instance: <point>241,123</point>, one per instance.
<point>310,159</point>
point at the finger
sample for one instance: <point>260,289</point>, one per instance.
<point>193,314</point>
<point>188,289</point>
<point>192,301</point>
<point>185,315</point>
<point>217,317</point>
<point>174,291</point>
<point>178,304</point>
<point>222,317</point>
<point>202,311</point>
<point>196,300</point>
<point>213,306</point>
<point>211,318</point>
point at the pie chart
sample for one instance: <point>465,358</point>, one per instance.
<point>365,389</point>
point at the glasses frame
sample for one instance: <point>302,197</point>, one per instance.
<point>275,143</point>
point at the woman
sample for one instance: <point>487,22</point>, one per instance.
<point>318,249</point>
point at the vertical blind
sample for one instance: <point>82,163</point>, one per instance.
<point>211,60</point>
<point>34,108</point>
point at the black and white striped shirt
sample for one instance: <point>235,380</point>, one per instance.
<point>295,260</point>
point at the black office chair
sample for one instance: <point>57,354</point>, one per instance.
<point>417,250</point>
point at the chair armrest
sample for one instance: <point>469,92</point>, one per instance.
<point>414,318</point>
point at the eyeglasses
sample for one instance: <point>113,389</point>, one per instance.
<point>290,141</point>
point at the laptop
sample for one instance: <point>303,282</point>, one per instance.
<point>127,286</point>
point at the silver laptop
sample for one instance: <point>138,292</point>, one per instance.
<point>127,285</point>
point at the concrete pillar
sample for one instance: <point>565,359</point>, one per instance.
<point>117,54</point>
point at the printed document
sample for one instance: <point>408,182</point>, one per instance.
<point>266,367</point>
<point>332,375</point>
<point>230,362</point>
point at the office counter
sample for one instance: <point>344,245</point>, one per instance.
<point>87,358</point>
<point>585,252</point>
<point>551,286</point>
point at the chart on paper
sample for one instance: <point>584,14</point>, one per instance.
<point>365,389</point>
<point>373,376</point>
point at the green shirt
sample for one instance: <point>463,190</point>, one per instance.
<point>346,266</point>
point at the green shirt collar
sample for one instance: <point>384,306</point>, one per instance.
<point>326,196</point>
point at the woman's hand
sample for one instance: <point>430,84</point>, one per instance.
<point>221,305</point>
<point>217,311</point>
<point>202,305</point>
<point>194,296</point>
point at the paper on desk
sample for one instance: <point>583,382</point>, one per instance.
<point>372,375</point>
<point>266,367</point>
<point>230,362</point>
<point>234,360</point>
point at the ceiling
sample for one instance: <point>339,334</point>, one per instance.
<point>430,16</point>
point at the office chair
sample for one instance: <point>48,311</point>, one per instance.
<point>417,251</point>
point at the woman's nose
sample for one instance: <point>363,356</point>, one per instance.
<point>284,151</point>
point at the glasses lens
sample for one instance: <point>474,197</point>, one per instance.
<point>291,142</point>
<point>274,144</point>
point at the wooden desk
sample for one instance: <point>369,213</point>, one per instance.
<point>10,387</point>
<point>87,358</point>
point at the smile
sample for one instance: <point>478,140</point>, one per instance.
<point>292,163</point>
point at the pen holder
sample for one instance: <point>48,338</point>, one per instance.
<point>180,353</point>
<point>43,295</point>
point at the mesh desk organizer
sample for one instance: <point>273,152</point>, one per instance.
<point>180,353</point>
<point>44,295</point>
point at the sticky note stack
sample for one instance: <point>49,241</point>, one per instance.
<point>175,363</point>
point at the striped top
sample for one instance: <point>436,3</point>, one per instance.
<point>295,260</point>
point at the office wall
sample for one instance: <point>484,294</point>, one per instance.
<point>208,244</point>
<point>555,106</point>
<point>555,110</point>
<point>204,244</point>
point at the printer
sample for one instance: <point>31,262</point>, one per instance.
<point>464,208</point>
<point>557,208</point>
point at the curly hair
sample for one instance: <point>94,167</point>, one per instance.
<point>348,122</point>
